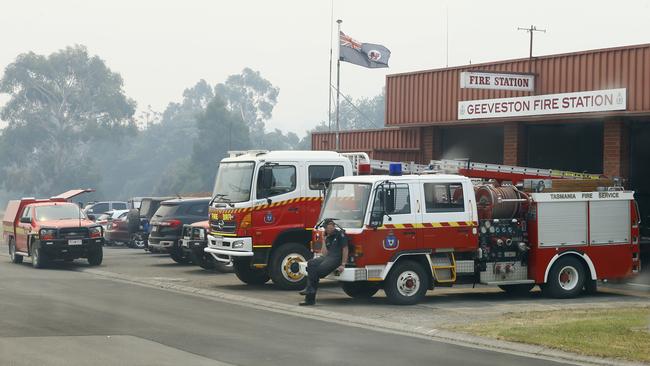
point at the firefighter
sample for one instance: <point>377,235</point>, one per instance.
<point>334,257</point>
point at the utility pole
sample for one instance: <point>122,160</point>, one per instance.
<point>530,55</point>
<point>338,82</point>
<point>329,82</point>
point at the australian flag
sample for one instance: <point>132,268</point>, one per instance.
<point>363,54</point>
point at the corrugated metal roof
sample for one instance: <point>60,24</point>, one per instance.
<point>431,96</point>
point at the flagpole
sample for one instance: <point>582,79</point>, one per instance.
<point>338,83</point>
<point>329,82</point>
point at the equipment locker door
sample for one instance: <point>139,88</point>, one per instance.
<point>446,215</point>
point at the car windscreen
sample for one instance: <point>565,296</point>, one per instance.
<point>58,212</point>
<point>166,210</point>
<point>233,183</point>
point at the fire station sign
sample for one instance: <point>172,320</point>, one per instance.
<point>492,80</point>
<point>537,105</point>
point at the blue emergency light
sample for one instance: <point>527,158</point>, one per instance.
<point>395,169</point>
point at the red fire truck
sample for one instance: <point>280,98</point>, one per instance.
<point>410,233</point>
<point>53,228</point>
<point>264,207</point>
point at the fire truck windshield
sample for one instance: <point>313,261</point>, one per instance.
<point>233,183</point>
<point>347,203</point>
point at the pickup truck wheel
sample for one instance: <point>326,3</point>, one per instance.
<point>566,278</point>
<point>179,257</point>
<point>95,256</point>
<point>407,283</point>
<point>518,289</point>
<point>39,259</point>
<point>285,266</point>
<point>248,275</point>
<point>15,258</point>
<point>204,260</point>
<point>360,290</point>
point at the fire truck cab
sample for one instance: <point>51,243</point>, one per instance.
<point>264,207</point>
<point>410,233</point>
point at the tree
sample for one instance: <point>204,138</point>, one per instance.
<point>252,97</point>
<point>59,106</point>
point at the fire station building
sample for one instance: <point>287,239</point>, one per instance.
<point>586,111</point>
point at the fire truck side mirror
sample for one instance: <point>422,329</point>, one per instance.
<point>376,219</point>
<point>25,220</point>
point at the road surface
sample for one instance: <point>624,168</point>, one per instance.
<point>60,316</point>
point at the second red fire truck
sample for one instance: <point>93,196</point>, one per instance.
<point>411,233</point>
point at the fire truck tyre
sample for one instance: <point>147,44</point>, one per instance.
<point>15,258</point>
<point>285,266</point>
<point>39,258</point>
<point>517,290</point>
<point>179,257</point>
<point>407,283</point>
<point>248,275</point>
<point>566,278</point>
<point>360,290</point>
<point>95,256</point>
<point>591,286</point>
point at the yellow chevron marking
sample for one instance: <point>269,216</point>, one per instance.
<point>454,223</point>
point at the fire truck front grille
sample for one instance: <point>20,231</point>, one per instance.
<point>223,226</point>
<point>74,232</point>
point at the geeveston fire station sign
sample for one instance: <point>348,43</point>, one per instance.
<point>535,105</point>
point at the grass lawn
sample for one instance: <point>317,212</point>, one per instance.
<point>616,333</point>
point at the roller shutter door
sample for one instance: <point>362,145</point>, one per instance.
<point>562,223</point>
<point>609,222</point>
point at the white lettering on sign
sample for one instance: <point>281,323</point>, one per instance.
<point>578,102</point>
<point>582,196</point>
<point>498,81</point>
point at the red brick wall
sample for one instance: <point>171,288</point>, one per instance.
<point>616,151</point>
<point>513,144</point>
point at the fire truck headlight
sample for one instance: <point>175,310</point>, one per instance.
<point>238,244</point>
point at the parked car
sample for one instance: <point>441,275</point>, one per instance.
<point>98,208</point>
<point>194,242</point>
<point>106,218</point>
<point>166,225</point>
<point>147,207</point>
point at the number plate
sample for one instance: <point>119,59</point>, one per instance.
<point>75,242</point>
<point>218,241</point>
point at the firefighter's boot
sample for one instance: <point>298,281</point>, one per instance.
<point>310,299</point>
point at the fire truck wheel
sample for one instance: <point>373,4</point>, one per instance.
<point>407,283</point>
<point>517,290</point>
<point>95,256</point>
<point>249,275</point>
<point>39,259</point>
<point>15,258</point>
<point>360,290</point>
<point>566,278</point>
<point>285,266</point>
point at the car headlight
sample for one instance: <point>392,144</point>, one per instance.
<point>95,232</point>
<point>237,244</point>
<point>47,234</point>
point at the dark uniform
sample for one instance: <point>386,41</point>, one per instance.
<point>320,267</point>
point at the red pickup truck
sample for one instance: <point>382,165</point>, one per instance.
<point>50,229</point>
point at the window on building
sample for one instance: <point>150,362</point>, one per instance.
<point>443,197</point>
<point>320,176</point>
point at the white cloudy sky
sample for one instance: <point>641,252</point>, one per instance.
<point>163,46</point>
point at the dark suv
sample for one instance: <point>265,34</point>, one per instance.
<point>166,225</point>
